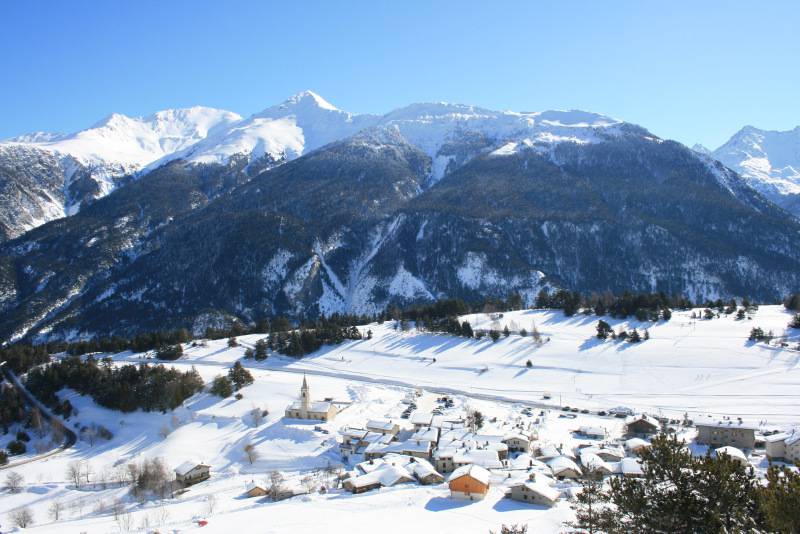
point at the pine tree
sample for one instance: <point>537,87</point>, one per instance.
<point>261,350</point>
<point>222,387</point>
<point>603,329</point>
<point>506,332</point>
<point>780,500</point>
<point>239,376</point>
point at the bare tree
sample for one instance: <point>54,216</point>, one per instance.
<point>250,452</point>
<point>21,517</point>
<point>211,504</point>
<point>257,414</point>
<point>275,484</point>
<point>74,472</point>
<point>36,422</point>
<point>310,482</point>
<point>125,522</point>
<point>164,431</point>
<point>14,482</point>
<point>118,508</point>
<point>55,509</point>
<point>175,421</point>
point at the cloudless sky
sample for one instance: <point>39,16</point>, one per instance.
<point>692,71</point>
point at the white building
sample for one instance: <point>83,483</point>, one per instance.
<point>305,408</point>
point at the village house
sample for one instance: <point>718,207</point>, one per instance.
<point>189,473</point>
<point>385,474</point>
<point>426,433</point>
<point>469,482</point>
<point>289,490</point>
<point>421,418</point>
<point>564,467</point>
<point>593,463</point>
<point>255,490</point>
<point>421,469</point>
<point>784,446</point>
<point>724,433</point>
<point>518,442</point>
<point>641,425</point>
<point>534,492</point>
<point>304,408</point>
<point>383,427</point>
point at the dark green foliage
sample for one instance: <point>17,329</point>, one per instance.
<point>506,332</point>
<point>239,376</point>
<point>169,352</point>
<point>23,436</point>
<point>437,310</point>
<point>757,334</point>
<point>222,387</point>
<point>126,388</point>
<point>590,508</point>
<point>795,322</point>
<point>792,302</point>
<point>780,500</point>
<point>603,329</point>
<point>494,334</point>
<point>16,447</point>
<point>260,350</point>
<point>677,493</point>
<point>740,314</point>
<point>634,336</point>
<point>232,342</point>
<point>512,529</point>
<point>529,364</point>
<point>3,457</point>
<point>12,406</point>
<point>311,337</point>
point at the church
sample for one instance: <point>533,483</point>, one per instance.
<point>305,408</point>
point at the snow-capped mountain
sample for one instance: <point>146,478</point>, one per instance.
<point>769,161</point>
<point>47,176</point>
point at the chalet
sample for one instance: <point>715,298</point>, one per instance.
<point>189,473</point>
<point>641,425</point>
<point>304,408</point>
<point>518,442</point>
<point>383,427</point>
<point>287,491</point>
<point>733,453</point>
<point>563,467</point>
<point>420,419</point>
<point>426,433</point>
<point>421,469</point>
<point>784,446</point>
<point>721,434</point>
<point>385,475</point>
<point>255,490</point>
<point>606,453</point>
<point>534,492</point>
<point>469,482</point>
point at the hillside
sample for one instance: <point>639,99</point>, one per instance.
<point>704,368</point>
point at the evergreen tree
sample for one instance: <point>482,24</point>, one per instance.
<point>222,387</point>
<point>506,332</point>
<point>260,350</point>
<point>494,334</point>
<point>634,336</point>
<point>780,500</point>
<point>239,376</point>
<point>795,322</point>
<point>603,329</point>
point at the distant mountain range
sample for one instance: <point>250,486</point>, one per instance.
<point>194,218</point>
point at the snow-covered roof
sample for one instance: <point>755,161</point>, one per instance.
<point>559,464</point>
<point>316,406</point>
<point>386,475</point>
<point>636,443</point>
<point>477,472</point>
<point>593,462</point>
<point>615,452</point>
<point>592,430</point>
<point>774,438</point>
<point>483,457</point>
<point>541,488</point>
<point>733,452</point>
<point>548,451</point>
<point>516,435</point>
<point>421,417</point>
<point>426,434</point>
<point>380,425</point>
<point>187,466</point>
<point>642,417</point>
<point>628,466</point>
<point>726,424</point>
<point>526,461</point>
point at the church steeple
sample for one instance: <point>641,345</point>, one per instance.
<point>305,397</point>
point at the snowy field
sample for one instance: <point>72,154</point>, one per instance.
<point>703,367</point>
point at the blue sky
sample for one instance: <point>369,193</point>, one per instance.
<point>691,71</point>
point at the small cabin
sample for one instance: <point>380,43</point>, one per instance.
<point>641,425</point>
<point>189,473</point>
<point>469,482</point>
<point>255,490</point>
<point>534,492</point>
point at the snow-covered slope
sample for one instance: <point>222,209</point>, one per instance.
<point>91,161</point>
<point>302,123</point>
<point>769,161</point>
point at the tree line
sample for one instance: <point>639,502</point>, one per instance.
<point>126,388</point>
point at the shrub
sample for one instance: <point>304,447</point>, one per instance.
<point>16,447</point>
<point>222,387</point>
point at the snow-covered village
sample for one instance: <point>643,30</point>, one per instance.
<point>451,267</point>
<point>404,425</point>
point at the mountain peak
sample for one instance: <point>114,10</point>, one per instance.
<point>308,98</point>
